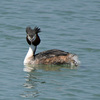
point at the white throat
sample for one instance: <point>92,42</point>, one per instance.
<point>29,56</point>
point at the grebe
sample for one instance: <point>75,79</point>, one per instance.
<point>48,57</point>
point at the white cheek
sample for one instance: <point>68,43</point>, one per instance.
<point>31,39</point>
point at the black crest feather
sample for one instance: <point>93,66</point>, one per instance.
<point>36,30</point>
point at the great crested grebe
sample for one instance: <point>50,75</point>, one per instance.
<point>48,57</point>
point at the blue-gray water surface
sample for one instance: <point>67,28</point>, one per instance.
<point>69,25</point>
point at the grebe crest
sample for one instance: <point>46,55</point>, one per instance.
<point>48,57</point>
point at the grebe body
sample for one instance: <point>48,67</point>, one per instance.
<point>49,57</point>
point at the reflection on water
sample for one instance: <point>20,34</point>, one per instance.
<point>30,68</point>
<point>30,84</point>
<point>36,79</point>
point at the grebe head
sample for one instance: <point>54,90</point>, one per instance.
<point>32,36</point>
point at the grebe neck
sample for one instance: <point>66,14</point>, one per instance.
<point>30,54</point>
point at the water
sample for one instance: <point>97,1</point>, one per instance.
<point>70,25</point>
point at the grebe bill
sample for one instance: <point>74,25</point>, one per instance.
<point>48,57</point>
